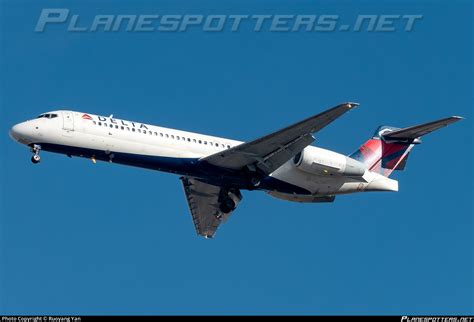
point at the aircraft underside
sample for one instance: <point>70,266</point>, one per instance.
<point>188,167</point>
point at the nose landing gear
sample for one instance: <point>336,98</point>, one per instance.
<point>36,157</point>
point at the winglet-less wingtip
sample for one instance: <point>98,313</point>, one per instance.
<point>352,105</point>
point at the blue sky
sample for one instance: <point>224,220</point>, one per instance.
<point>108,239</point>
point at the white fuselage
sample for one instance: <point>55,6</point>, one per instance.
<point>320,173</point>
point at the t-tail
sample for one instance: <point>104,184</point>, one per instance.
<point>389,148</point>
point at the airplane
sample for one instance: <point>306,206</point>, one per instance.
<point>214,170</point>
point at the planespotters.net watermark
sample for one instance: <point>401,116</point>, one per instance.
<point>52,17</point>
<point>437,319</point>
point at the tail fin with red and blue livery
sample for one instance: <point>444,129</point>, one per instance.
<point>389,147</point>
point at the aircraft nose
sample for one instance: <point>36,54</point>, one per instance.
<point>18,131</point>
<point>14,132</point>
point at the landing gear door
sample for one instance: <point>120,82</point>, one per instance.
<point>68,121</point>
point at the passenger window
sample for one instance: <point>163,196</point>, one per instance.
<point>100,123</point>
<point>167,136</point>
<point>121,128</point>
<point>194,140</point>
<point>111,125</point>
<point>156,134</point>
<point>172,136</point>
<point>116,126</point>
<point>128,129</point>
<point>228,146</point>
<point>161,134</point>
<point>133,129</point>
<point>94,122</point>
<point>189,140</point>
<point>200,142</point>
<point>205,142</point>
<point>139,131</point>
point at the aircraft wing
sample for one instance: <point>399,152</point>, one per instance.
<point>270,152</point>
<point>204,201</point>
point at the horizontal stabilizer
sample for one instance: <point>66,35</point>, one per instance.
<point>416,131</point>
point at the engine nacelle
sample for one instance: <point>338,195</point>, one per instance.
<point>323,162</point>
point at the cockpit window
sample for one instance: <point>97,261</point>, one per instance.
<point>48,116</point>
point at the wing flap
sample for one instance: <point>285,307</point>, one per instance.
<point>274,160</point>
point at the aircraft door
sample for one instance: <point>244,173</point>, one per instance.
<point>68,121</point>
